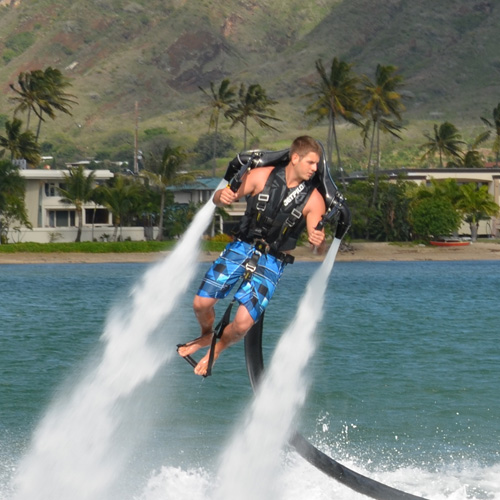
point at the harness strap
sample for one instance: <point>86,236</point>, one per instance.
<point>218,331</point>
<point>251,264</point>
<point>290,222</point>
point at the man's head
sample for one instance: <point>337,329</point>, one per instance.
<point>305,153</point>
<point>305,144</point>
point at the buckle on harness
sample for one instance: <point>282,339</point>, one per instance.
<point>296,214</point>
<point>250,269</point>
<point>261,246</point>
<point>262,199</point>
<point>251,264</point>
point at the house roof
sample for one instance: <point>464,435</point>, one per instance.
<point>51,175</point>
<point>201,184</point>
<point>422,173</point>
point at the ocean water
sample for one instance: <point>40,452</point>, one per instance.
<point>402,384</point>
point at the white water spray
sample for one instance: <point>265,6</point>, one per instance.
<point>72,455</point>
<point>250,464</point>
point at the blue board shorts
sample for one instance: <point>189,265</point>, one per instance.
<point>229,267</point>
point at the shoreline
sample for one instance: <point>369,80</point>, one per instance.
<point>360,252</point>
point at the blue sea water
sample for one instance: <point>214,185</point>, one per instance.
<point>404,381</point>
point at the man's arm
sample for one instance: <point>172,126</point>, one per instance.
<point>253,183</point>
<point>313,212</point>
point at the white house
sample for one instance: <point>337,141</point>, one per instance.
<point>480,176</point>
<point>202,189</point>
<point>54,220</point>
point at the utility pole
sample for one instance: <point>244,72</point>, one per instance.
<point>136,162</point>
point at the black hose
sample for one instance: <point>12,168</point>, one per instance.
<point>346,476</point>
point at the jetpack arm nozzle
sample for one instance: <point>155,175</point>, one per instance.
<point>245,167</point>
<point>339,211</point>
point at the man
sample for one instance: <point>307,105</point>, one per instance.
<point>281,202</point>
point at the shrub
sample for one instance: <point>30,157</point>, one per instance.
<point>434,217</point>
<point>221,238</point>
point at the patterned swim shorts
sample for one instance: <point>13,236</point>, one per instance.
<point>225,272</point>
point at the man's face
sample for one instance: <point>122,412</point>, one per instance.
<point>306,166</point>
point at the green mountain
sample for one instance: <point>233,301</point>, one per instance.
<point>158,52</point>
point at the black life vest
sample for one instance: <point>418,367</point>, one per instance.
<point>275,214</point>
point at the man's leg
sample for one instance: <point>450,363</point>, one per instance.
<point>205,314</point>
<point>233,332</point>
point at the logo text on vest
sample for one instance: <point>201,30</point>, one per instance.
<point>294,194</point>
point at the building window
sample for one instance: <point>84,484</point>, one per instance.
<point>62,218</point>
<point>97,216</point>
<point>52,188</point>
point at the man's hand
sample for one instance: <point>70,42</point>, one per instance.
<point>316,237</point>
<point>225,196</point>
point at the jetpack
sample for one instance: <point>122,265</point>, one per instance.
<point>337,211</point>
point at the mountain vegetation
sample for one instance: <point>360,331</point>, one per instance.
<point>158,53</point>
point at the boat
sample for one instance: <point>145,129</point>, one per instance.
<point>450,243</point>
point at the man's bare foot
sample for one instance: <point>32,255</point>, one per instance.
<point>191,347</point>
<point>202,367</point>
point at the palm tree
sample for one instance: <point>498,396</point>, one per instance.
<point>476,204</point>
<point>336,95</point>
<point>252,103</point>
<point>43,92</point>
<point>472,158</point>
<point>78,190</point>
<point>164,173</point>
<point>20,144</point>
<point>52,96</point>
<point>446,142</point>
<point>55,95</point>
<point>220,100</point>
<point>495,125</point>
<point>26,94</point>
<point>120,199</point>
<point>12,190</point>
<point>383,102</point>
<point>446,188</point>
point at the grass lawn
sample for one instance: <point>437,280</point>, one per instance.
<point>103,247</point>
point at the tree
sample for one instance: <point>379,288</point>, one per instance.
<point>358,193</point>
<point>43,92</point>
<point>434,216</point>
<point>447,188</point>
<point>495,125</point>
<point>164,173</point>
<point>178,217</point>
<point>20,144</point>
<point>121,198</point>
<point>472,158</point>
<point>390,215</point>
<point>336,96</point>
<point>446,142</point>
<point>78,190</point>
<point>204,146</point>
<point>476,204</point>
<point>383,102</point>
<point>387,218</point>
<point>12,205</point>
<point>220,100</point>
<point>252,103</point>
<point>26,94</point>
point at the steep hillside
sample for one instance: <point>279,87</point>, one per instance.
<point>157,52</point>
<point>447,50</point>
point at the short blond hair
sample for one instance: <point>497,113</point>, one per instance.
<point>304,145</point>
